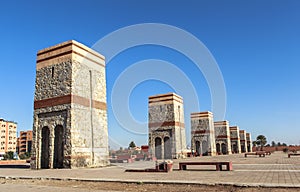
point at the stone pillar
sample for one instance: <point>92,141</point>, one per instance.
<point>202,133</point>
<point>70,94</point>
<point>249,142</point>
<point>235,139</point>
<point>243,141</point>
<point>166,122</point>
<point>222,136</point>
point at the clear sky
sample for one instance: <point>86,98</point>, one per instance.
<point>256,45</point>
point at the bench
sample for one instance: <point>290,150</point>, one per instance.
<point>293,154</point>
<point>259,153</point>
<point>183,165</point>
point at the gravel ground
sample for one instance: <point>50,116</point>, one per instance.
<point>79,186</point>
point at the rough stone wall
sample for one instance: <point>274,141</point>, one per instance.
<point>222,135</point>
<point>202,131</point>
<point>166,120</point>
<point>235,139</point>
<point>70,92</point>
<point>89,123</point>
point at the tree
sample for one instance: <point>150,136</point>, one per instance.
<point>9,155</point>
<point>261,140</point>
<point>132,144</point>
<point>273,144</point>
<point>278,144</point>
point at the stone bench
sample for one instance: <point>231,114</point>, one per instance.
<point>259,153</point>
<point>183,165</point>
<point>293,154</point>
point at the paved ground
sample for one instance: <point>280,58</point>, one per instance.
<point>276,170</point>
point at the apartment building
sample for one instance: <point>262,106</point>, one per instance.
<point>24,142</point>
<point>8,136</point>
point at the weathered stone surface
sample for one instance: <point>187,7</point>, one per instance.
<point>70,98</point>
<point>222,136</point>
<point>235,139</point>
<point>202,133</point>
<point>166,126</point>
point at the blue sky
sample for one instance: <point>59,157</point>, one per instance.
<point>255,43</point>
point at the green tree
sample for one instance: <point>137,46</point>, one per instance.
<point>9,155</point>
<point>261,140</point>
<point>132,145</point>
<point>273,144</point>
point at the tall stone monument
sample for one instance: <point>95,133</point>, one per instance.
<point>166,126</point>
<point>249,142</point>
<point>70,115</point>
<point>243,141</point>
<point>222,136</point>
<point>202,133</point>
<point>235,139</point>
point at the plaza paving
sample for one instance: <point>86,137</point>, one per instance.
<point>270,171</point>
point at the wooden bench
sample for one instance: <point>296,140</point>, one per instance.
<point>293,154</point>
<point>183,165</point>
<point>259,153</point>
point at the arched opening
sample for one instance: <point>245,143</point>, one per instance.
<point>197,148</point>
<point>158,153</point>
<point>167,148</point>
<point>234,148</point>
<point>204,148</point>
<point>45,154</point>
<point>224,148</point>
<point>218,148</point>
<point>243,149</point>
<point>249,149</point>
<point>58,147</point>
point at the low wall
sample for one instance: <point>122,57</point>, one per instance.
<point>12,162</point>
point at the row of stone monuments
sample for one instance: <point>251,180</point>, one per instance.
<point>167,138</point>
<point>70,115</point>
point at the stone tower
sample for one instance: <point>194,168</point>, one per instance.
<point>202,133</point>
<point>70,116</point>
<point>249,142</point>
<point>166,126</point>
<point>243,141</point>
<point>235,139</point>
<point>222,136</point>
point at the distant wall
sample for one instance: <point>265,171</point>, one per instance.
<point>279,148</point>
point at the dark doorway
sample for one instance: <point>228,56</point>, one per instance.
<point>218,146</point>
<point>224,148</point>
<point>45,154</point>
<point>158,153</point>
<point>167,148</point>
<point>243,149</point>
<point>198,148</point>
<point>248,147</point>
<point>204,148</point>
<point>234,148</point>
<point>58,147</point>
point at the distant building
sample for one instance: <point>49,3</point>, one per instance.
<point>24,142</point>
<point>8,136</point>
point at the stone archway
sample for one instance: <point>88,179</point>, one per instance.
<point>45,153</point>
<point>204,148</point>
<point>158,148</point>
<point>58,147</point>
<point>198,148</point>
<point>218,148</point>
<point>234,148</point>
<point>167,148</point>
<point>224,148</point>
